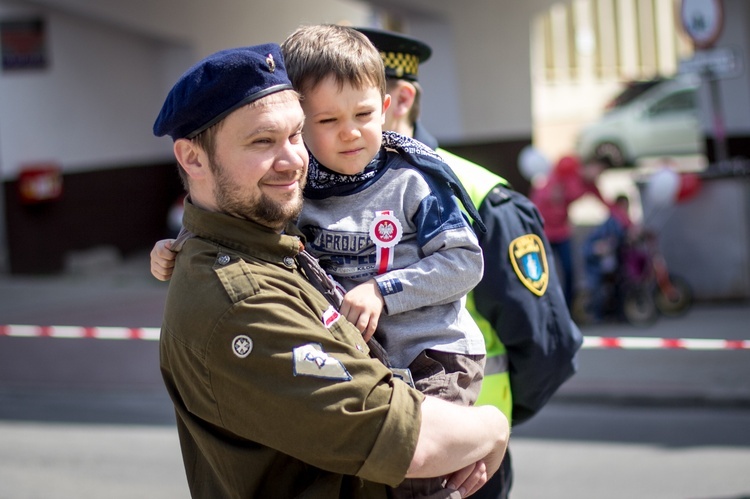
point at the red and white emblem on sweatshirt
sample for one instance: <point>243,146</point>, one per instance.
<point>385,233</point>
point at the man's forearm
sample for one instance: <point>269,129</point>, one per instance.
<point>453,436</point>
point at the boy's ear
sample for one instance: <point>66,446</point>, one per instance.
<point>386,104</point>
<point>192,159</point>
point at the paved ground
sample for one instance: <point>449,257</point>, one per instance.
<point>86,418</point>
<point>101,289</point>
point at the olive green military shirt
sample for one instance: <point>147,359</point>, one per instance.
<point>274,391</point>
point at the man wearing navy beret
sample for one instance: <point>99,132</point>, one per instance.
<point>274,391</point>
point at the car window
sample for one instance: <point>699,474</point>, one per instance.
<point>681,101</point>
<point>631,91</point>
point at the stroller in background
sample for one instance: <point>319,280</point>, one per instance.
<point>635,284</point>
<point>649,289</point>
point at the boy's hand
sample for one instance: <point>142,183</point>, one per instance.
<point>362,306</point>
<point>468,480</point>
<point>162,259</point>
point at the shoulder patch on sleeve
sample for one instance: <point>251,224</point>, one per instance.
<point>311,360</point>
<point>530,262</point>
<point>242,345</point>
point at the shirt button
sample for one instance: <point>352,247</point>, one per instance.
<point>289,261</point>
<point>223,259</point>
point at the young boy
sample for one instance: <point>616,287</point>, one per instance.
<point>387,230</point>
<point>380,216</point>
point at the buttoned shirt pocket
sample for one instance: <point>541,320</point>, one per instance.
<point>236,277</point>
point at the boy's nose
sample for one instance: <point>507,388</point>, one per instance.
<point>350,131</point>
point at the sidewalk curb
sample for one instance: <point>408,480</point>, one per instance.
<point>654,400</point>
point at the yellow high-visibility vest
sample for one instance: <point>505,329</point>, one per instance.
<point>478,182</point>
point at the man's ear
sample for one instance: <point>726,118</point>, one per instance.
<point>402,98</point>
<point>192,159</point>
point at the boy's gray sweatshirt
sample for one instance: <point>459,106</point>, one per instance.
<point>435,263</point>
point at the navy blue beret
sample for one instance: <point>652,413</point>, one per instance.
<point>219,84</point>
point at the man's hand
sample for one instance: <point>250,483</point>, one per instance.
<point>445,448</point>
<point>162,259</point>
<point>362,306</point>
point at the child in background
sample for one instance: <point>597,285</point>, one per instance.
<point>603,257</point>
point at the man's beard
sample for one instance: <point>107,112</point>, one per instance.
<point>259,208</point>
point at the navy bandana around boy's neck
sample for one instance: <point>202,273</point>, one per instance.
<point>320,178</point>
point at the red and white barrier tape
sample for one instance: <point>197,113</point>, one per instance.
<point>636,343</point>
<point>589,342</point>
<point>102,333</point>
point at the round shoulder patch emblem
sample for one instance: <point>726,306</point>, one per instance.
<point>242,346</point>
<point>530,262</point>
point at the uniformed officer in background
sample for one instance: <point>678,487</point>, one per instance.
<point>274,392</point>
<point>531,339</point>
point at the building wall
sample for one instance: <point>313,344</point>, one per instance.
<point>112,63</point>
<point>95,103</point>
<point>90,113</point>
<point>124,208</point>
<point>477,89</point>
<point>92,106</point>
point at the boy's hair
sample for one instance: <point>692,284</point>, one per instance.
<point>314,53</point>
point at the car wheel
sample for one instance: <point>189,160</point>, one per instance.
<point>611,154</point>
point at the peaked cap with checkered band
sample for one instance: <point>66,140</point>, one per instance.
<point>401,54</point>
